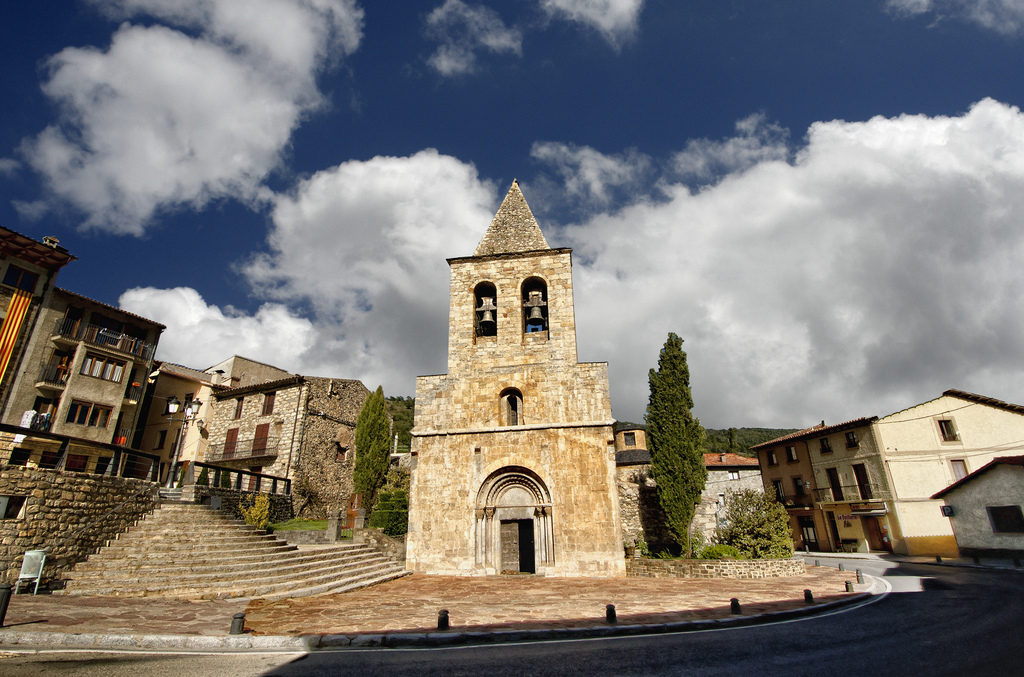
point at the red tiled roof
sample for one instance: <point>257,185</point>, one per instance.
<point>819,430</point>
<point>714,459</point>
<point>981,399</point>
<point>999,460</point>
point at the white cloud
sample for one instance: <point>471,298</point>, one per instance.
<point>1003,16</point>
<point>756,141</point>
<point>590,175</point>
<point>162,119</point>
<point>9,167</point>
<point>199,335</point>
<point>878,269</point>
<point>362,246</point>
<point>615,20</point>
<point>463,30</point>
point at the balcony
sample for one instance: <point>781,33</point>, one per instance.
<point>133,393</point>
<point>851,493</point>
<point>75,330</point>
<point>242,449</point>
<point>795,501</point>
<point>53,376</point>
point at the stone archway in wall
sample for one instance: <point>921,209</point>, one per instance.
<point>513,523</point>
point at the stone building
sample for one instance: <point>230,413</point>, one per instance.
<point>513,465</point>
<point>642,516</point>
<point>298,427</point>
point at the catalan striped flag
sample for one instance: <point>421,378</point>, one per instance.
<point>16,313</point>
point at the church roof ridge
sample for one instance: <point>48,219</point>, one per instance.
<point>513,229</point>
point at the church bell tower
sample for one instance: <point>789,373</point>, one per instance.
<point>513,456</point>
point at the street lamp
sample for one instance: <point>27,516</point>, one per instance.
<point>173,407</point>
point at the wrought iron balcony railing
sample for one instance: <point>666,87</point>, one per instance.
<point>55,375</point>
<point>242,449</point>
<point>76,330</point>
<point>851,493</point>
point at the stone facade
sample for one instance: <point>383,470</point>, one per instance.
<point>715,568</point>
<point>56,505</point>
<point>299,427</point>
<point>518,432</point>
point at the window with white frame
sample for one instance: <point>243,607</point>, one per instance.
<point>101,366</point>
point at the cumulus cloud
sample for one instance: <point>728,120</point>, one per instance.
<point>615,20</point>
<point>9,167</point>
<point>588,174</point>
<point>167,117</point>
<point>877,269</point>
<point>1004,16</point>
<point>463,30</point>
<point>197,332</point>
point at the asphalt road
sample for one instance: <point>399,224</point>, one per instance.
<point>937,621</point>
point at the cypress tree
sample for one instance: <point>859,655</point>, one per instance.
<point>675,439</point>
<point>373,444</point>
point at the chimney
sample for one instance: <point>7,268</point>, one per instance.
<point>721,458</point>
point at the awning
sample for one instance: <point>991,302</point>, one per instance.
<point>871,512</point>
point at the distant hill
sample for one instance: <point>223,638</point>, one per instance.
<point>718,440</point>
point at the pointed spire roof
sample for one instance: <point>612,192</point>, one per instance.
<point>513,229</point>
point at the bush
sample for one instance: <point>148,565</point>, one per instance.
<point>720,551</point>
<point>392,513</point>
<point>256,510</point>
<point>204,478</point>
<point>225,479</point>
<point>757,525</point>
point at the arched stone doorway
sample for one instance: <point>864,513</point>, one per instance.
<point>513,523</point>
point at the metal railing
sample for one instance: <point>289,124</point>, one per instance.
<point>238,480</point>
<point>850,493</point>
<point>111,460</point>
<point>794,500</point>
<point>54,375</point>
<point>133,392</point>
<point>243,449</point>
<point>106,338</point>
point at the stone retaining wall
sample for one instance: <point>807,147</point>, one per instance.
<point>231,501</point>
<point>715,568</point>
<point>392,547</point>
<point>305,537</point>
<point>57,504</point>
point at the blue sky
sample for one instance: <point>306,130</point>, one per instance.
<point>824,199</point>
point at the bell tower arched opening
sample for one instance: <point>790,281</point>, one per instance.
<point>486,313</point>
<point>535,305</point>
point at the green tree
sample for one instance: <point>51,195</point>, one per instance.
<point>757,525</point>
<point>373,445</point>
<point>675,439</point>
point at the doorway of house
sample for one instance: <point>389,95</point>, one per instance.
<point>808,533</point>
<point>517,548</point>
<point>873,530</point>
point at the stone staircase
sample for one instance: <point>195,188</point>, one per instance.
<point>188,551</point>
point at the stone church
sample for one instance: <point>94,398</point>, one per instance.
<point>513,449</point>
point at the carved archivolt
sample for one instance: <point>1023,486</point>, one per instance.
<point>512,493</point>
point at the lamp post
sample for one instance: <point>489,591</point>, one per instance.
<point>191,409</point>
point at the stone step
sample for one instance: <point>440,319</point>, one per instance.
<point>241,558</point>
<point>276,585</point>
<point>205,572</point>
<point>227,543</point>
<point>339,587</point>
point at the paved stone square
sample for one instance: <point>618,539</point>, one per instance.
<point>530,602</point>
<point>412,603</point>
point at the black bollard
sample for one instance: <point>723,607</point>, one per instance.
<point>734,606</point>
<point>808,597</point>
<point>817,563</point>
<point>1016,561</point>
<point>860,576</point>
<point>442,619</point>
<point>977,560</point>
<point>237,623</point>
<point>841,567</point>
<point>609,614</point>
<point>849,586</point>
<point>938,559</point>
<point>5,599</point>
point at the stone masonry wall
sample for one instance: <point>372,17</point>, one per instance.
<point>59,503</point>
<point>283,432</point>
<point>322,469</point>
<point>713,568</point>
<point>231,502</point>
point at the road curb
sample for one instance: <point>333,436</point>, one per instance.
<point>50,641</point>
